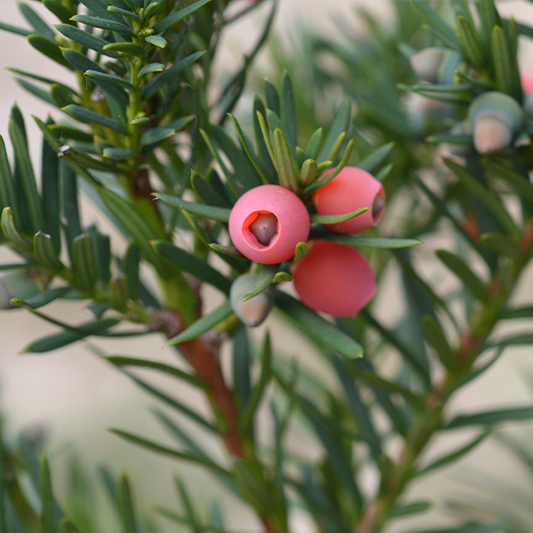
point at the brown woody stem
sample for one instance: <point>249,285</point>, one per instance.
<point>203,356</point>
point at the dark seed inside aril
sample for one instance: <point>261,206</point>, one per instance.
<point>377,206</point>
<point>264,227</point>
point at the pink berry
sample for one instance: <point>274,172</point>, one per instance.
<point>267,223</point>
<point>350,190</point>
<point>334,278</point>
<point>526,80</point>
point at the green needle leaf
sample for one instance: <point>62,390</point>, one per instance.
<point>333,219</point>
<point>516,339</point>
<point>358,241</point>
<point>324,333</point>
<point>469,39</point>
<point>288,113</point>
<point>132,49</point>
<point>463,272</point>
<point>170,452</point>
<point>264,135</point>
<point>23,159</point>
<point>109,77</point>
<point>89,40</point>
<point>67,153</point>
<point>336,146</point>
<point>147,364</point>
<point>246,144</point>
<point>156,40</point>
<point>408,509</point>
<point>392,387</point>
<point>151,67</point>
<point>90,116</point>
<point>48,48</point>
<point>187,504</point>
<point>341,123</point>
<point>321,182</point>
<point>36,91</point>
<point>308,173</point>
<point>204,324</point>
<point>14,29</point>
<point>118,154</point>
<point>124,12</point>
<point>45,252</point>
<point>84,262</point>
<point>502,61</point>
<point>280,277</point>
<point>50,187</point>
<point>158,81</point>
<point>47,296</point>
<point>247,415</point>
<point>7,187</point>
<point>314,144</point>
<point>64,131</point>
<point>154,136</point>
<point>372,162</point>
<point>264,279</point>
<point>125,506</point>
<point>193,265</point>
<point>525,311</point>
<point>301,250</point>
<point>245,174</point>
<point>11,232</point>
<point>455,455</point>
<point>285,164</point>
<point>56,145</point>
<point>519,182</point>
<point>174,18</point>
<point>442,30</point>
<point>104,24</point>
<point>99,8</point>
<point>488,198</point>
<point>491,418</point>
<point>437,338</point>
<point>406,351</point>
<point>208,211</point>
<point>48,513</point>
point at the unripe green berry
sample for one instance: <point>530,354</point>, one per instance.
<point>254,311</point>
<point>426,63</point>
<point>495,118</point>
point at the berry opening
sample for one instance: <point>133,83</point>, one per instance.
<point>378,205</point>
<point>261,229</point>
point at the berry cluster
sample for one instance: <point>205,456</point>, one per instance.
<point>268,221</point>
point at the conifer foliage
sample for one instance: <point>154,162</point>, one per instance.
<point>306,218</point>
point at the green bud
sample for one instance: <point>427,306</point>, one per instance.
<point>309,173</point>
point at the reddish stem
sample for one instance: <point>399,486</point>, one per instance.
<point>202,354</point>
<point>140,184</point>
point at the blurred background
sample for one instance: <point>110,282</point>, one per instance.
<point>72,397</point>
